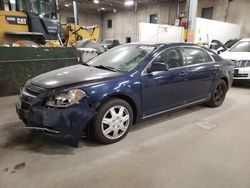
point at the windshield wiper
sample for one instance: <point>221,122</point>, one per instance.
<point>85,64</point>
<point>106,68</point>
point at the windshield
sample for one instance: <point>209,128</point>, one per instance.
<point>241,47</point>
<point>107,42</point>
<point>123,58</point>
<point>44,8</point>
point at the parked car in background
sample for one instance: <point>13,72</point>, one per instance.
<point>239,54</point>
<point>231,42</point>
<point>110,43</point>
<point>218,47</point>
<point>123,86</point>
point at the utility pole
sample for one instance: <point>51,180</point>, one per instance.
<point>75,18</point>
<point>226,9</point>
<point>192,11</point>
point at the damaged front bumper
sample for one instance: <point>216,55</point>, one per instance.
<point>67,124</point>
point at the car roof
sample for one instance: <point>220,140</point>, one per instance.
<point>166,44</point>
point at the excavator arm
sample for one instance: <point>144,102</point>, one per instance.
<point>75,34</point>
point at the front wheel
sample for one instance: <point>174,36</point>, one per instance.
<point>113,121</point>
<point>218,94</point>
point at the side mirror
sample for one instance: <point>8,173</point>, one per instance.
<point>157,66</point>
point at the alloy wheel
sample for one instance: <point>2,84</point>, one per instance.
<point>219,93</point>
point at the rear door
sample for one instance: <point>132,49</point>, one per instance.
<point>202,73</point>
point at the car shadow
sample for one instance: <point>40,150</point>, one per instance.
<point>167,116</point>
<point>152,121</point>
<point>14,136</point>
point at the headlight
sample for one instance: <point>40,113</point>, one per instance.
<point>66,99</point>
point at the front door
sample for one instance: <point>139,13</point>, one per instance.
<point>164,90</point>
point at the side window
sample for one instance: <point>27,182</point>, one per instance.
<point>214,56</point>
<point>172,57</point>
<point>109,24</point>
<point>194,56</point>
<point>208,57</point>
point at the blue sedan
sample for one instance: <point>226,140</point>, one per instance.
<point>105,96</point>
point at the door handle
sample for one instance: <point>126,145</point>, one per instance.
<point>182,74</point>
<point>214,68</point>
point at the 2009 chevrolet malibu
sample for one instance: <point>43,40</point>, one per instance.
<point>122,86</point>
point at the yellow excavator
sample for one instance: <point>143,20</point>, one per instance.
<point>37,21</point>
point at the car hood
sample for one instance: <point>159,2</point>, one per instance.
<point>236,55</point>
<point>72,75</point>
<point>104,44</point>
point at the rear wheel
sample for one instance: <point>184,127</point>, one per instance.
<point>218,94</point>
<point>113,121</point>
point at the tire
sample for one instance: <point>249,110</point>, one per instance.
<point>111,124</point>
<point>93,45</point>
<point>218,95</point>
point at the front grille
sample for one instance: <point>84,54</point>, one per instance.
<point>239,75</point>
<point>241,63</point>
<point>28,95</point>
<point>25,105</point>
<point>32,89</point>
<point>31,92</point>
